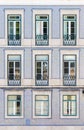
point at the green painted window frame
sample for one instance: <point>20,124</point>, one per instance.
<point>14,61</point>
<point>14,18</point>
<point>42,101</point>
<point>12,100</point>
<point>41,67</point>
<point>41,18</point>
<point>74,19</point>
<point>69,101</point>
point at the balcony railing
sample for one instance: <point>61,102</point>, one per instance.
<point>41,81</point>
<point>41,40</point>
<point>14,80</point>
<point>14,40</point>
<point>69,40</point>
<point>69,80</point>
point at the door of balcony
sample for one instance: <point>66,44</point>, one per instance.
<point>14,72</point>
<point>69,34</point>
<point>41,30</point>
<point>14,31</point>
<point>69,77</point>
<point>42,72</point>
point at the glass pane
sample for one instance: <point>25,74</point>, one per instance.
<point>73,108</point>
<point>42,108</point>
<point>66,71</point>
<point>45,24</point>
<point>39,28</point>
<point>38,64</point>
<point>11,70</point>
<point>17,24</point>
<point>44,31</point>
<point>64,97</point>
<point>14,58</point>
<point>39,97</point>
<point>73,97</point>
<point>38,77</point>
<point>11,97</point>
<point>65,108</point>
<point>69,57</point>
<point>18,105</point>
<point>45,70</point>
<point>39,71</point>
<point>11,64</point>
<point>17,64</point>
<point>42,58</point>
<point>66,64</point>
<point>72,64</point>
<point>65,28</point>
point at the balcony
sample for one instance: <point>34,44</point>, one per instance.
<point>14,80</point>
<point>69,80</point>
<point>14,40</point>
<point>41,40</point>
<point>69,40</point>
<point>41,81</point>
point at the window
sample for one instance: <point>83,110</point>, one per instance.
<point>14,105</point>
<point>42,70</point>
<point>14,30</point>
<point>69,76</point>
<point>42,29</point>
<point>14,70</point>
<point>69,29</point>
<point>69,105</point>
<point>42,104</point>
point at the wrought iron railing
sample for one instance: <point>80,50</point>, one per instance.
<point>42,40</point>
<point>41,81</point>
<point>14,40</point>
<point>69,80</point>
<point>69,40</point>
<point>14,80</point>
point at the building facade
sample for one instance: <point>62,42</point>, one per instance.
<point>42,67</point>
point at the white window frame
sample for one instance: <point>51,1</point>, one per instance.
<point>15,93</point>
<point>13,52</point>
<point>14,24</point>
<point>72,93</point>
<point>42,61</point>
<point>41,12</point>
<point>69,52</point>
<point>41,52</point>
<point>39,93</point>
<point>14,67</point>
<point>15,12</point>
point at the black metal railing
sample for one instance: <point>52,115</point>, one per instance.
<point>14,80</point>
<point>42,40</point>
<point>14,40</point>
<point>69,40</point>
<point>69,80</point>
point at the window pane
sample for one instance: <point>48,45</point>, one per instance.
<point>42,97</point>
<point>69,57</point>
<point>69,105</point>
<point>14,57</point>
<point>17,64</point>
<point>66,71</point>
<point>45,70</point>
<point>11,64</point>
<point>14,105</point>
<point>41,105</point>
<point>66,64</point>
